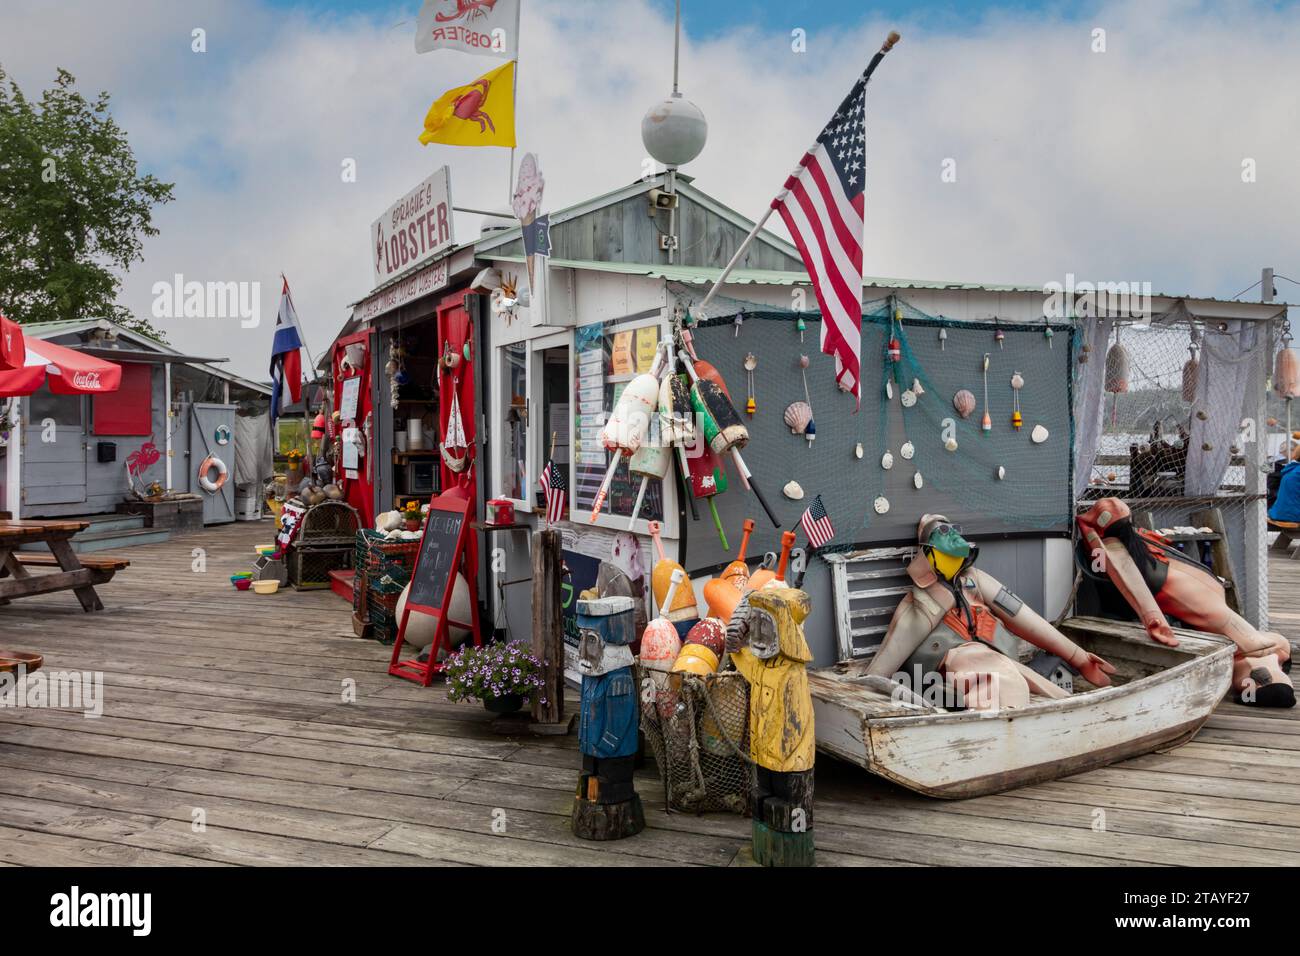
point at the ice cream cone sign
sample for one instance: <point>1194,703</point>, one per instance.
<point>536,229</point>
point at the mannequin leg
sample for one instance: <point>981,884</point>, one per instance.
<point>1257,672</point>
<point>985,679</point>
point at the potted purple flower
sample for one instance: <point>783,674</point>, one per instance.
<point>502,675</point>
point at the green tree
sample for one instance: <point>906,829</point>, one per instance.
<point>74,209</point>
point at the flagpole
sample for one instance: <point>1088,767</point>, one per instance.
<point>892,39</point>
<point>514,94</point>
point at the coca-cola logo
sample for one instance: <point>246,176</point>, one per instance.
<point>86,380</point>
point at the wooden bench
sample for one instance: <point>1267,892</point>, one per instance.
<point>1288,533</point>
<point>102,568</point>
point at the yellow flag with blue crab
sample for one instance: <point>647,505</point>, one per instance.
<point>481,113</point>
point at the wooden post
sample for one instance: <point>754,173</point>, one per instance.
<point>548,628</point>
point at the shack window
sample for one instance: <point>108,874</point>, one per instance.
<point>128,410</point>
<point>513,474</point>
<point>608,357</point>
<point>61,409</point>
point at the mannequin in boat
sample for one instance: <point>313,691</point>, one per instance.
<point>957,622</point>
<point>1156,579</point>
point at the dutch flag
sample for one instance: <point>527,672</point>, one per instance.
<point>286,359</point>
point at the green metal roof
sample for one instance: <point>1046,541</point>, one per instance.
<point>700,275</point>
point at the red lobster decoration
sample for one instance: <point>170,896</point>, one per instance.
<point>467,9</point>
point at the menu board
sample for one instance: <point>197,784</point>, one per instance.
<point>439,552</point>
<point>609,355</point>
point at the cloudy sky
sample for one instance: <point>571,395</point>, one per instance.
<point>1125,164</point>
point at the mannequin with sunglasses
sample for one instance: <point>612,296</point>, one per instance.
<point>958,622</point>
<point>1155,579</point>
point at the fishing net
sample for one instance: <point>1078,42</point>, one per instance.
<point>1167,411</point>
<point>698,730</point>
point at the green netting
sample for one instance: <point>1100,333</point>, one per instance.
<point>1034,494</point>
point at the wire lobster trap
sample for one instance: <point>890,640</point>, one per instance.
<point>698,730</point>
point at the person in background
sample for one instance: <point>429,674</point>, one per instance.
<point>1286,507</point>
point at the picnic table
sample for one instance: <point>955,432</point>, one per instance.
<point>73,573</point>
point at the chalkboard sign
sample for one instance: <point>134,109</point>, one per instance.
<point>439,553</point>
<point>441,557</point>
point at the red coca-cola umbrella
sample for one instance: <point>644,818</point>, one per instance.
<point>69,372</point>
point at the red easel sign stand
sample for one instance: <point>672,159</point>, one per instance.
<point>442,555</point>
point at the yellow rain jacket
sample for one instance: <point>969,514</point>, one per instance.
<point>780,706</point>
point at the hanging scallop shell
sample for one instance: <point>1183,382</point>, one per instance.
<point>858,451</point>
<point>1017,380</point>
<point>950,444</point>
<point>793,491</point>
<point>917,481</point>
<point>1038,435</point>
<point>964,402</point>
<point>908,398</point>
<point>907,451</point>
<point>881,505</point>
<point>886,461</point>
<point>798,415</point>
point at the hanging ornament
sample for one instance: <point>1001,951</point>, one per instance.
<point>740,320</point>
<point>793,491</point>
<point>798,415</point>
<point>1038,435</point>
<point>1117,367</point>
<point>986,423</point>
<point>1017,383</point>
<point>964,402</point>
<point>1286,368</point>
<point>1047,331</point>
<point>858,450</point>
<point>908,398</point>
<point>894,348</point>
<point>1191,371</point>
<point>943,338</point>
<point>881,505</point>
<point>917,481</point>
<point>907,451</point>
<point>1084,351</point>
<point>916,387</point>
<point>886,461</point>
<point>1117,370</point>
<point>1001,472</point>
<point>810,430</point>
<point>950,444</point>
<point>998,334</point>
<point>751,363</point>
<point>889,388</point>
<point>802,326</point>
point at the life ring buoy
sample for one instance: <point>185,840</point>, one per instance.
<point>206,483</point>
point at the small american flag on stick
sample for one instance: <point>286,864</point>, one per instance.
<point>552,482</point>
<point>817,523</point>
<point>823,205</point>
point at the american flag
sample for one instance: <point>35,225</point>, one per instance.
<point>822,206</point>
<point>817,523</point>
<point>552,482</point>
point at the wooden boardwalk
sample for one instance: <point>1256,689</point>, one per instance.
<point>228,708</point>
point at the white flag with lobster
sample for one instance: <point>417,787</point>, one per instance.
<point>485,27</point>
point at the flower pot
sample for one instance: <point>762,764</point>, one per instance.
<point>508,704</point>
<point>412,524</point>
